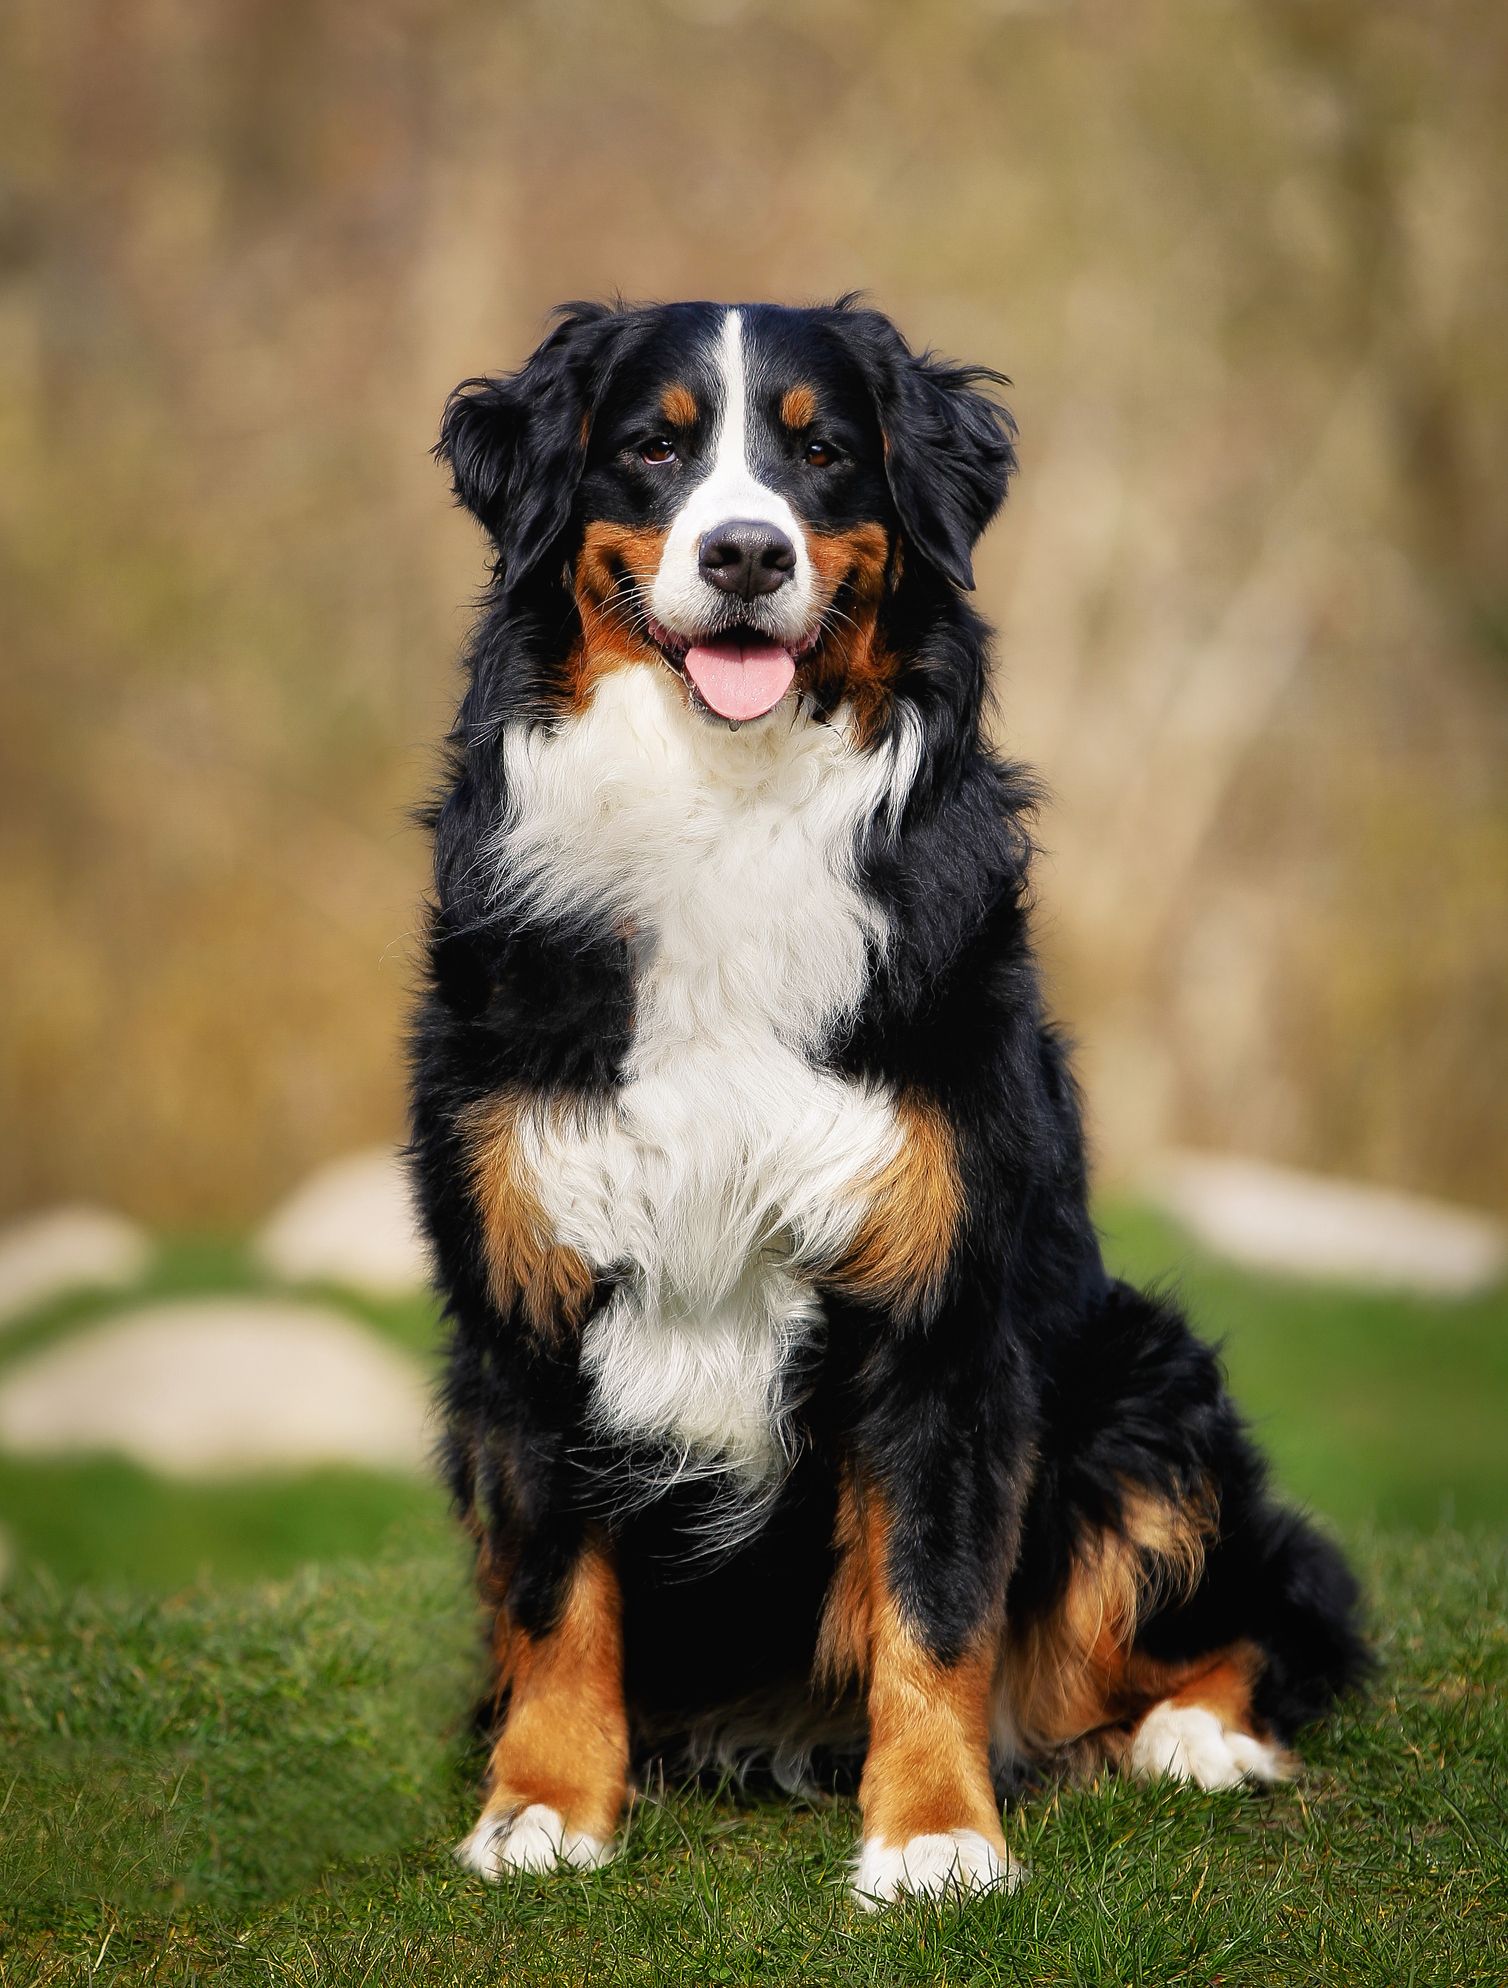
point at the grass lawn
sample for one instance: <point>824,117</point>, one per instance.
<point>232,1740</point>
<point>262,1786</point>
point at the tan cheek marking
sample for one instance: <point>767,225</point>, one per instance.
<point>526,1265</point>
<point>854,665</point>
<point>678,405</point>
<point>914,1207</point>
<point>606,547</point>
<point>1075,1670</point>
<point>927,1768</point>
<point>565,1741</point>
<point>798,407</point>
<point>609,638</point>
<point>859,556</point>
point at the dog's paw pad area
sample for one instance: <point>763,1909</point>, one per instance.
<point>1189,1743</point>
<point>959,1862</point>
<point>535,1838</point>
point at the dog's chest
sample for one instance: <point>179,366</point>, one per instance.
<point>729,1164</point>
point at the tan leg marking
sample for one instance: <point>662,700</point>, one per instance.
<point>914,1207</point>
<point>1224,1687</point>
<point>843,1635</point>
<point>526,1266</point>
<point>927,1770</point>
<point>928,1766</point>
<point>1201,1726</point>
<point>1076,1684</point>
<point>1075,1670</point>
<point>565,1740</point>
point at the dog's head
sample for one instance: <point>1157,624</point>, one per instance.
<point>734,492</point>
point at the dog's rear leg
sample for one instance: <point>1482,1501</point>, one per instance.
<point>1206,1730</point>
<point>1287,1591</point>
<point>558,1774</point>
<point>1191,1626</point>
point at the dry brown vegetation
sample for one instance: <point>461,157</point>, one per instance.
<point>1246,266</point>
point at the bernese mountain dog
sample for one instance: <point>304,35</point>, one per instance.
<point>789,1401</point>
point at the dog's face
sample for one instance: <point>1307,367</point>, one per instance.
<point>733,492</point>
<point>734,488</point>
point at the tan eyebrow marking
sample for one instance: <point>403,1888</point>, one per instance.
<point>678,405</point>
<point>799,407</point>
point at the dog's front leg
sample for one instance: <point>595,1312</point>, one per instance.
<point>557,1778</point>
<point>927,1656</point>
<point>558,1773</point>
<point>929,1517</point>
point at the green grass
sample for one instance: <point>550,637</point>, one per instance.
<point>262,1786</point>
<point>210,1776</point>
<point>105,1522</point>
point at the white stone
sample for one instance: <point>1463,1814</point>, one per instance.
<point>351,1223</point>
<point>1307,1225</point>
<point>220,1385</point>
<point>67,1249</point>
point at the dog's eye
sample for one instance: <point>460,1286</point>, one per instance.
<point>821,454</point>
<point>657,450</point>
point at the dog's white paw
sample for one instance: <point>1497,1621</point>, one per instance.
<point>1188,1743</point>
<point>535,1838</point>
<point>959,1861</point>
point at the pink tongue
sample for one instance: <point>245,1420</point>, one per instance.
<point>740,680</point>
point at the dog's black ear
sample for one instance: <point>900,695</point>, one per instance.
<point>949,447</point>
<point>516,445</point>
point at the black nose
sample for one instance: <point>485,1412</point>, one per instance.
<point>746,558</point>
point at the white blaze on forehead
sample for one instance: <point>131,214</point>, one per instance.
<point>680,597</point>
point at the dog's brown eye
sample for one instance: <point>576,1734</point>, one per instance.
<point>819,454</point>
<point>658,450</point>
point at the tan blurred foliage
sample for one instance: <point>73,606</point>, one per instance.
<point>1245,263</point>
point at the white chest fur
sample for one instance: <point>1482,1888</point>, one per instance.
<point>727,1167</point>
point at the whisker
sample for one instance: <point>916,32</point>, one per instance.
<point>624,604</point>
<point>832,614</point>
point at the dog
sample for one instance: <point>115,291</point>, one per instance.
<point>788,1399</point>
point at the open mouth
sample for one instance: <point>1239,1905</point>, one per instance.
<point>738,673</point>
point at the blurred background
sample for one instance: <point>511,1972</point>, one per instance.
<point>1246,267</point>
